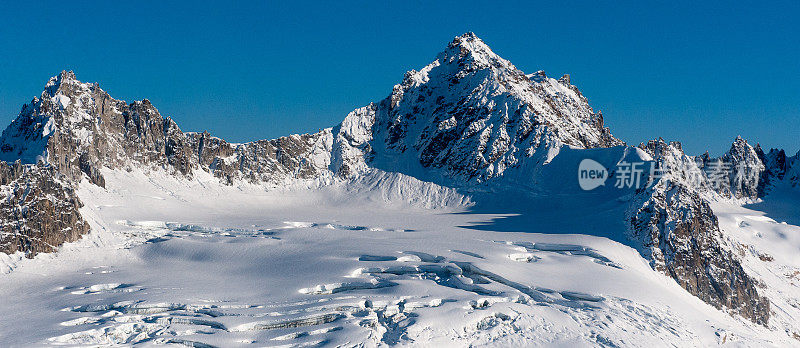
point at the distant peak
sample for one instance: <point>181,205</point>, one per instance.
<point>63,76</point>
<point>740,147</point>
<point>472,53</point>
<point>468,36</point>
<point>468,41</point>
<point>67,75</point>
<point>740,142</point>
<point>55,82</point>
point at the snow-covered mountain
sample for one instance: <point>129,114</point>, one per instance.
<point>469,116</point>
<point>466,118</point>
<point>78,128</point>
<point>468,133</point>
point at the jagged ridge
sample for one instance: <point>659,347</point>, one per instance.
<point>468,118</point>
<point>678,232</point>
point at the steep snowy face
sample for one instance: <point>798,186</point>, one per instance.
<point>352,149</point>
<point>471,115</point>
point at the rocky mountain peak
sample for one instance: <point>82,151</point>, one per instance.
<point>469,42</point>
<point>740,146</point>
<point>744,168</point>
<point>471,115</point>
<point>63,110</point>
<point>469,51</point>
<point>54,84</point>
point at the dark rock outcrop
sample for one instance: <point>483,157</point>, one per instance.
<point>778,168</point>
<point>265,161</point>
<point>676,230</point>
<point>680,236</point>
<point>38,210</point>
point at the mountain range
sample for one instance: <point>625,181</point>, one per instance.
<point>471,123</point>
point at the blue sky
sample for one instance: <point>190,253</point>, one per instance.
<point>698,73</point>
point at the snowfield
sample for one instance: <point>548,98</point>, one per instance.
<point>399,261</point>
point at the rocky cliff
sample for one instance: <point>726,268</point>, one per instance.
<point>677,231</point>
<point>38,210</point>
<point>73,130</point>
<point>78,128</point>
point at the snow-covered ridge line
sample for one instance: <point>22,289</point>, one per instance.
<point>467,118</point>
<point>468,122</point>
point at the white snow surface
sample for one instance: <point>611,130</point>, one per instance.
<point>387,260</point>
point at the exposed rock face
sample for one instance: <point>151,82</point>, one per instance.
<point>304,156</point>
<point>778,169</point>
<point>792,175</point>
<point>38,210</point>
<point>746,167</point>
<point>78,128</point>
<point>775,165</point>
<point>678,232</point>
<point>680,237</point>
<point>75,129</point>
<point>744,172</point>
<point>471,115</point>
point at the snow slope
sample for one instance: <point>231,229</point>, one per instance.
<point>193,262</point>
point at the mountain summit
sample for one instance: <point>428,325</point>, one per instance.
<point>467,117</point>
<point>472,115</point>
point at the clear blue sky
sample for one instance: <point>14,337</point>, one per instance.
<point>698,73</point>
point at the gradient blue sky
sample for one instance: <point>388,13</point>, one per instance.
<point>698,73</point>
